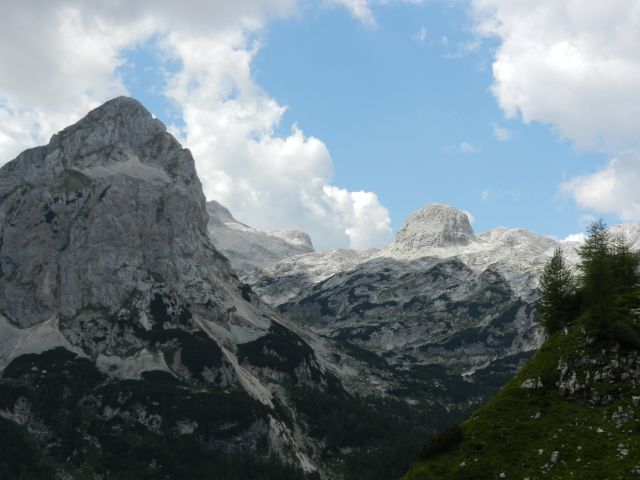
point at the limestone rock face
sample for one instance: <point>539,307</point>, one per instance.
<point>106,265</point>
<point>436,226</point>
<point>91,216</point>
<point>248,248</point>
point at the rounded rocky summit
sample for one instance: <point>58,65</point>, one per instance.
<point>436,226</point>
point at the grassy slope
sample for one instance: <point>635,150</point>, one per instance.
<point>503,437</point>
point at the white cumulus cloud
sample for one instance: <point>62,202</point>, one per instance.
<point>575,237</point>
<point>573,64</point>
<point>613,189</point>
<point>360,9</point>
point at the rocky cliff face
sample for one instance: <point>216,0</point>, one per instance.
<point>130,348</point>
<point>249,249</point>
<point>89,218</point>
<point>116,307</point>
<point>423,312</point>
<point>437,296</point>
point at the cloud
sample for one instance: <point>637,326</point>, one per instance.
<point>501,133</point>
<point>67,62</point>
<point>267,181</point>
<point>462,49</point>
<point>574,237</point>
<point>369,221</point>
<point>489,195</point>
<point>613,189</point>
<point>586,219</point>
<point>574,65</point>
<point>421,35</point>
<point>466,147</point>
<point>360,9</point>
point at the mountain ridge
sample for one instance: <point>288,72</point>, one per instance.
<point>130,347</point>
<point>249,249</point>
<point>107,268</point>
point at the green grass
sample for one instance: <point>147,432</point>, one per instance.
<point>505,437</point>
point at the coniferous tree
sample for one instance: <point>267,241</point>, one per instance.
<point>557,289</point>
<point>625,265</point>
<point>605,294</point>
<point>597,276</point>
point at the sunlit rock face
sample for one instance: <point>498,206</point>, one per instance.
<point>437,295</point>
<point>108,274</point>
<point>92,216</point>
<point>436,226</point>
<point>248,248</point>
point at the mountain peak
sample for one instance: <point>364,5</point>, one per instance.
<point>91,217</point>
<point>436,225</point>
<point>219,214</point>
<point>118,138</point>
<point>122,120</point>
<point>126,107</point>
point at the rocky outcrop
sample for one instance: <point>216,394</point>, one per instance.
<point>108,274</point>
<point>589,377</point>
<point>517,254</point>
<point>422,312</point>
<point>438,295</point>
<point>249,249</point>
<point>435,226</point>
<point>89,218</point>
<point>129,346</point>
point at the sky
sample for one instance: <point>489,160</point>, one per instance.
<point>342,117</point>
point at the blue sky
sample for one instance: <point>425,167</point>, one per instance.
<point>341,117</point>
<point>394,110</point>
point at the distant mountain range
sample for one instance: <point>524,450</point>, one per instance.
<point>145,333</point>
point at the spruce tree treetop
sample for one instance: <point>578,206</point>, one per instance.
<point>556,291</point>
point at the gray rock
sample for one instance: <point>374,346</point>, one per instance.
<point>249,249</point>
<point>436,226</point>
<point>531,384</point>
<point>104,251</point>
<point>112,204</point>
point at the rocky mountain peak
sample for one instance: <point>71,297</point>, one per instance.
<point>436,226</point>
<point>122,123</point>
<point>119,138</point>
<point>122,120</point>
<point>90,217</point>
<point>106,266</point>
<point>219,214</point>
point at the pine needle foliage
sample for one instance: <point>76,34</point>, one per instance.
<point>608,272</point>
<point>557,293</point>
